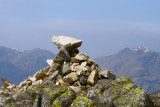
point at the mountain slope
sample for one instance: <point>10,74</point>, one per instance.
<point>11,72</point>
<point>15,64</point>
<point>140,64</point>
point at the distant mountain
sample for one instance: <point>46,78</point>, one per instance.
<point>140,64</point>
<point>16,65</point>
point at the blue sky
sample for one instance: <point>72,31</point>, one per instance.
<point>105,26</point>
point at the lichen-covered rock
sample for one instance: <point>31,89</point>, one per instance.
<point>95,93</point>
<point>49,95</point>
<point>155,97</point>
<point>82,101</point>
<point>122,92</point>
<point>65,100</point>
<point>19,100</point>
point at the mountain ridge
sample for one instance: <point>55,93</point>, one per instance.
<point>140,64</point>
<point>22,63</point>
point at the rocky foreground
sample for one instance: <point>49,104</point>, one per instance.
<point>73,80</point>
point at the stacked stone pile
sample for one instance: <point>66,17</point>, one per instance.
<point>72,80</point>
<point>69,68</point>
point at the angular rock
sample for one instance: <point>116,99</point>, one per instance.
<point>33,79</point>
<point>57,83</point>
<point>26,82</point>
<point>61,82</point>
<point>63,55</point>
<point>82,57</point>
<point>67,43</point>
<point>108,75</point>
<point>54,76</point>
<point>93,77</point>
<point>76,89</point>
<point>72,77</point>
<point>40,76</point>
<point>67,80</point>
<point>73,60</point>
<point>54,67</point>
<point>83,80</point>
<point>77,84</point>
<point>84,64</point>
<point>5,83</point>
<point>66,68</point>
<point>11,86</point>
<point>74,67</point>
<point>50,62</point>
<point>78,68</point>
<point>59,61</point>
<point>37,82</point>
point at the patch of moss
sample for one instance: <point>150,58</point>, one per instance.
<point>55,91</point>
<point>65,98</point>
<point>81,101</point>
<point>99,94</point>
<point>33,89</point>
<point>55,104</point>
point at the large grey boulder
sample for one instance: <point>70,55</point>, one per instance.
<point>123,92</point>
<point>67,43</point>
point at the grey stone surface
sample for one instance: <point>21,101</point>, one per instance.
<point>67,43</point>
<point>108,75</point>
<point>82,57</point>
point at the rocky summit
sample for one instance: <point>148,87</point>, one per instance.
<point>73,80</point>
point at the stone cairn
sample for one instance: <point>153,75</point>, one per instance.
<point>73,80</point>
<point>69,68</point>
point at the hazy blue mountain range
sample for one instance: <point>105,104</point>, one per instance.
<point>140,64</point>
<point>16,65</point>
